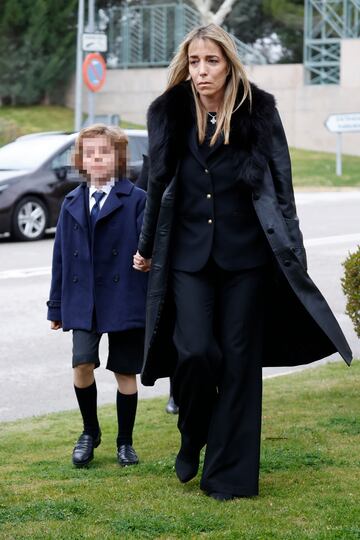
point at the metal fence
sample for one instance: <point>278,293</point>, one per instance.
<point>148,36</point>
<point>326,23</point>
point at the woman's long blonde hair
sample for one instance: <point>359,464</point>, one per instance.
<point>179,71</point>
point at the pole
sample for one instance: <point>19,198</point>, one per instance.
<point>91,28</point>
<point>338,155</point>
<point>78,79</point>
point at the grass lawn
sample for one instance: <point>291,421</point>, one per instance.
<point>22,120</point>
<point>309,488</point>
<point>39,118</point>
<point>318,169</point>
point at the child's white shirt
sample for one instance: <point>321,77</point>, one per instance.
<point>106,188</point>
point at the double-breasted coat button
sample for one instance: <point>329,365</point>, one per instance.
<point>208,195</point>
<point>76,226</point>
<point>210,221</point>
<point>75,279</point>
<point>116,278</point>
<point>114,252</point>
<point>207,171</point>
<point>270,230</point>
<point>287,263</point>
<point>75,253</point>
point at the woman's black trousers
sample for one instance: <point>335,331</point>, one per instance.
<point>220,318</point>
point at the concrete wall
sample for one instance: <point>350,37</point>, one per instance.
<point>303,109</point>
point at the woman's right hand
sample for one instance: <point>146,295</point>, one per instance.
<point>141,264</point>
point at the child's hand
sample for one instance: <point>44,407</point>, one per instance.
<point>141,264</point>
<point>56,325</point>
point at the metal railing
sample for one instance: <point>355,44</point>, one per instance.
<point>148,35</point>
<point>326,23</point>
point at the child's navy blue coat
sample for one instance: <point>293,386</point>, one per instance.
<point>105,278</point>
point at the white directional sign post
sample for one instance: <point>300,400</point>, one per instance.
<point>96,42</point>
<point>342,123</point>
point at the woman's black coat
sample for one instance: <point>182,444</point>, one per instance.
<point>300,325</point>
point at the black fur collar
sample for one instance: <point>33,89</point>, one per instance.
<point>172,113</point>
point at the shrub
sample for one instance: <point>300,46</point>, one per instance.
<point>351,287</point>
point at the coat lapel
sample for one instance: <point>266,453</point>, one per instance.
<point>217,144</point>
<point>77,205</point>
<point>194,146</point>
<point>115,198</point>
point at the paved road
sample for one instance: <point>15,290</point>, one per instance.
<point>35,373</point>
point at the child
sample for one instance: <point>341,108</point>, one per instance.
<point>94,287</point>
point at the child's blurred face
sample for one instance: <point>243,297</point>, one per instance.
<point>99,159</point>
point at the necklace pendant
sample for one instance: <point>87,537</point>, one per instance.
<point>213,120</point>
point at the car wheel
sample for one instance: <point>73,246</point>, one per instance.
<point>29,219</point>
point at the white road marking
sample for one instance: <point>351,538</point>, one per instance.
<point>310,197</point>
<point>26,272</point>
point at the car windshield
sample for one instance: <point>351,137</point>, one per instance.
<point>29,154</point>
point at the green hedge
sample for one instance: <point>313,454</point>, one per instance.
<point>351,287</point>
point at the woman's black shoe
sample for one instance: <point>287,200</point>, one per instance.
<point>171,406</point>
<point>126,455</point>
<point>83,451</point>
<point>186,467</point>
<point>221,496</point>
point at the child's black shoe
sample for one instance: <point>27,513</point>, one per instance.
<point>83,451</point>
<point>126,455</point>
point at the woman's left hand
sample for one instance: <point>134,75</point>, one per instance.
<point>141,264</point>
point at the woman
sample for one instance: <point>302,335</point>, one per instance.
<point>228,292</point>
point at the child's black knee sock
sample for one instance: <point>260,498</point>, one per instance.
<point>126,405</point>
<point>87,399</point>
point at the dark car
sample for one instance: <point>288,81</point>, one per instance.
<point>36,174</point>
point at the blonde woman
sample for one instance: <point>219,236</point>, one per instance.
<point>228,289</point>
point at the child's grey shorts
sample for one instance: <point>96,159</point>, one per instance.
<point>125,355</point>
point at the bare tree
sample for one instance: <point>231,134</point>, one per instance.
<point>208,16</point>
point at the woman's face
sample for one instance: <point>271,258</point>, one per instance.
<point>208,67</point>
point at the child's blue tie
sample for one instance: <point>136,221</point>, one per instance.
<point>98,195</point>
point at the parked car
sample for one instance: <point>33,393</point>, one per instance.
<point>36,174</point>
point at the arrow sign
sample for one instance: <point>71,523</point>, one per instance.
<point>96,42</point>
<point>343,123</point>
<point>94,71</point>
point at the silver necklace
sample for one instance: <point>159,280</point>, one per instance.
<point>213,118</point>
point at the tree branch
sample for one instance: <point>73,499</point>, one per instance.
<point>203,7</point>
<point>208,16</point>
<point>223,11</point>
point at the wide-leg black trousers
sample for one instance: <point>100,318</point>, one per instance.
<point>220,317</point>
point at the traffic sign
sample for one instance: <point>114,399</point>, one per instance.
<point>343,123</point>
<point>96,42</point>
<point>94,71</point>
